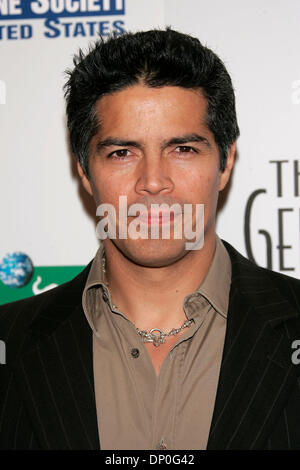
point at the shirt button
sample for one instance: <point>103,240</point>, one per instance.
<point>135,353</point>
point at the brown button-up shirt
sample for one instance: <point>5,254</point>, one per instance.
<point>137,409</point>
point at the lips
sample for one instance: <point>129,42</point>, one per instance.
<point>157,217</point>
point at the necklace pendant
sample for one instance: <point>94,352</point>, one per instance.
<point>157,339</point>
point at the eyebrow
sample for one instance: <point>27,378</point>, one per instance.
<point>186,139</point>
<point>113,141</point>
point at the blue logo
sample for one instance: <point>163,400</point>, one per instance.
<point>32,9</point>
<point>56,16</point>
<point>16,269</point>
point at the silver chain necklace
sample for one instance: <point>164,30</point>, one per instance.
<point>155,335</point>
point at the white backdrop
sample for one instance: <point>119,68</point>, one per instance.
<point>43,210</point>
<point>259,41</point>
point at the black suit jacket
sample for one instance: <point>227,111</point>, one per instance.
<point>47,398</point>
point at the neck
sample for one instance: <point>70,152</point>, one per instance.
<point>154,296</point>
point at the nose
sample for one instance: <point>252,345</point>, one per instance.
<point>154,177</point>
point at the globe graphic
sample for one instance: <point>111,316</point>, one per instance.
<point>16,269</point>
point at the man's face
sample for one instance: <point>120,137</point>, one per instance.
<point>153,146</point>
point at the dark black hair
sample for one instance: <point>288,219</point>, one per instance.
<point>157,58</point>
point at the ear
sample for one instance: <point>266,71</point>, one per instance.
<point>225,175</point>
<point>84,179</point>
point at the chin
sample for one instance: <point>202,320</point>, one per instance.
<point>153,253</point>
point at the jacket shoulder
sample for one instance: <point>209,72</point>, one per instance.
<point>250,274</point>
<point>288,286</point>
<point>16,317</point>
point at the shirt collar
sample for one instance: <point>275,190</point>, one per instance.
<point>91,297</point>
<point>216,285</point>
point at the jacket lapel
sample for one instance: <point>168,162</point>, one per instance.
<point>256,372</point>
<point>56,375</point>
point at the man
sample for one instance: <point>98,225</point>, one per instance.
<point>153,345</point>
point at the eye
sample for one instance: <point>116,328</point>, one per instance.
<point>185,149</point>
<point>119,154</point>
